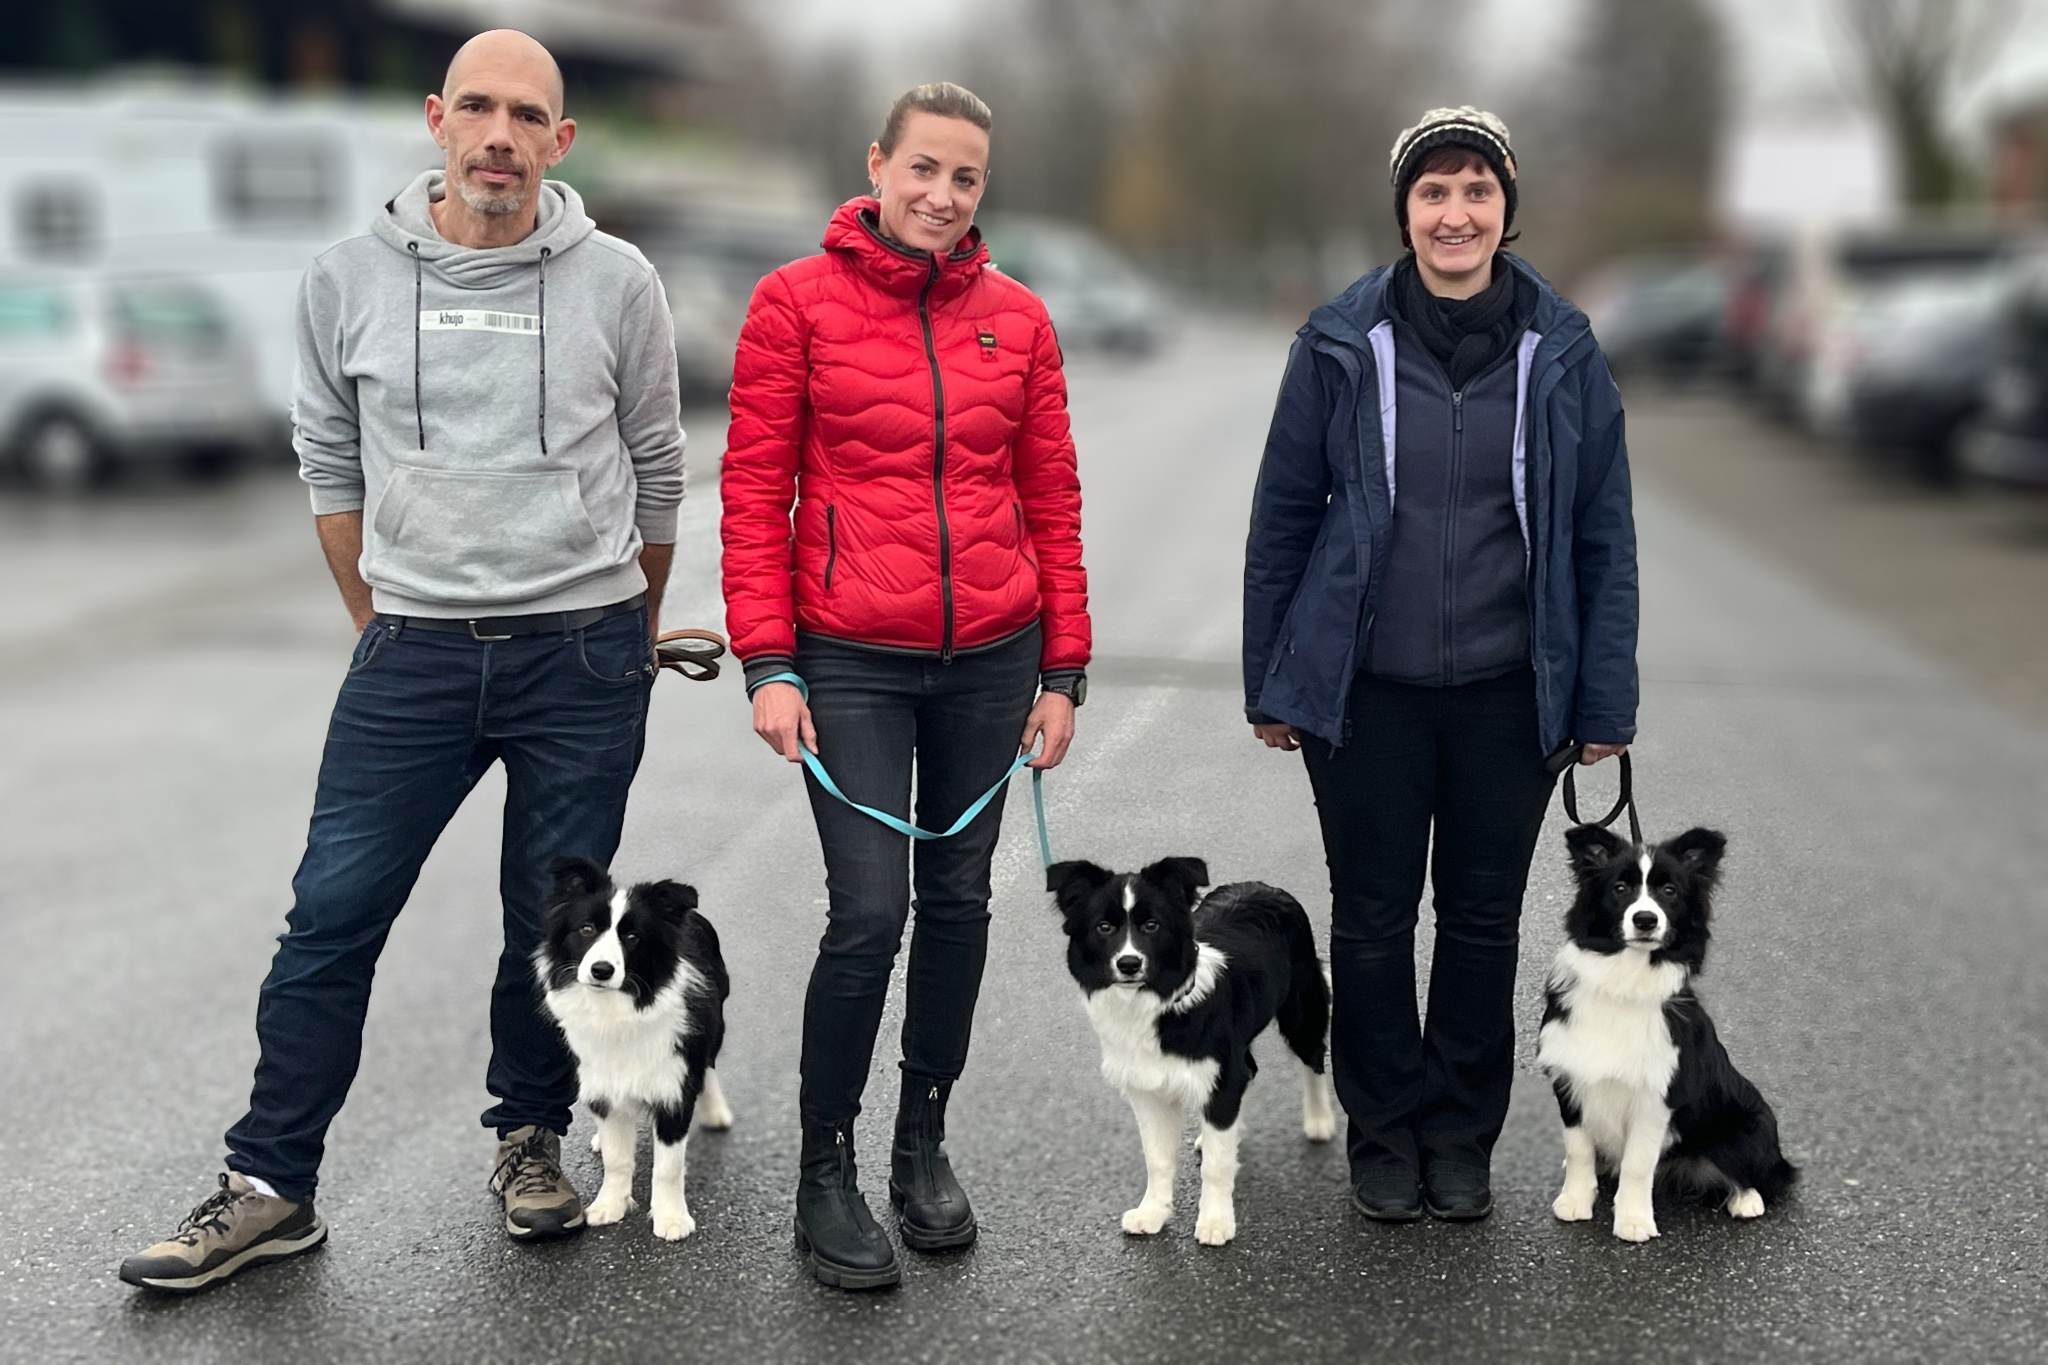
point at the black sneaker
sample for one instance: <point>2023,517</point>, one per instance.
<point>234,1229</point>
<point>1389,1196</point>
<point>1458,1193</point>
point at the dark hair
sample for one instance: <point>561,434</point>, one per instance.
<point>1451,159</point>
<point>943,98</point>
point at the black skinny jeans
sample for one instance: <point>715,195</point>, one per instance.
<point>876,714</point>
<point>1467,757</point>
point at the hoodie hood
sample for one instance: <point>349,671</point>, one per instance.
<point>408,226</point>
<point>857,231</point>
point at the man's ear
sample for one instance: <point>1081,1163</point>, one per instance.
<point>1179,878</point>
<point>1699,851</point>
<point>576,876</point>
<point>1072,883</point>
<point>672,900</point>
<point>1593,848</point>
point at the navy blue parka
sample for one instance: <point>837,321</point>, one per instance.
<point>1323,512</point>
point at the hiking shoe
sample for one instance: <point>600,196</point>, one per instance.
<point>539,1200</point>
<point>233,1229</point>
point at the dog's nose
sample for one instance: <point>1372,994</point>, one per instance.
<point>601,971</point>
<point>1646,921</point>
<point>1128,964</point>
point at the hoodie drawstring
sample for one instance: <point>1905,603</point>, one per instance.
<point>545,252</point>
<point>418,300</point>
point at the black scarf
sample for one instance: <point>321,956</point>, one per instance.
<point>1467,336</point>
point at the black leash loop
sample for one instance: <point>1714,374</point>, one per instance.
<point>692,653</point>
<point>1625,802</point>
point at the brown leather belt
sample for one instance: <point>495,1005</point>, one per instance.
<point>488,628</point>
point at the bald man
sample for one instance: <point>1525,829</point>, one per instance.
<point>486,414</point>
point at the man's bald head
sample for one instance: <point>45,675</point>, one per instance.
<point>505,52</point>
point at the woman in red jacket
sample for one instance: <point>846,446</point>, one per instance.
<point>906,402</point>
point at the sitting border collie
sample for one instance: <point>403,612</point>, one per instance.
<point>1642,1080</point>
<point>1176,993</point>
<point>635,979</point>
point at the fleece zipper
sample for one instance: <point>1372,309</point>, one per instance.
<point>931,355</point>
<point>1455,483</point>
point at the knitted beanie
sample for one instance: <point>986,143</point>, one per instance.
<point>1463,126</point>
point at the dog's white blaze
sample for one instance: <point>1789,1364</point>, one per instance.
<point>1130,893</point>
<point>1646,901</point>
<point>1131,949</point>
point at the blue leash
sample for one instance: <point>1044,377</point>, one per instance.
<point>817,768</point>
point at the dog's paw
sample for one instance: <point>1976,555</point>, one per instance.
<point>673,1225</point>
<point>714,1117</point>
<point>1747,1204</point>
<point>597,1141</point>
<point>1573,1206</point>
<point>607,1209</point>
<point>1635,1227</point>
<point>1145,1220</point>
<point>1319,1127</point>
<point>1215,1227</point>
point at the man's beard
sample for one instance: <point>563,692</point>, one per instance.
<point>483,200</point>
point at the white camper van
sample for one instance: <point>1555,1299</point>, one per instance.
<point>210,190</point>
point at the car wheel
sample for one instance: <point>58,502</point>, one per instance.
<point>58,453</point>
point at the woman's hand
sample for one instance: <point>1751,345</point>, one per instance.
<point>1593,753</point>
<point>1052,717</point>
<point>782,717</point>
<point>1279,736</point>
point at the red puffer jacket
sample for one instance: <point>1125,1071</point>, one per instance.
<point>914,412</point>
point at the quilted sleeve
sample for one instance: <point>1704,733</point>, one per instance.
<point>1049,486</point>
<point>758,481</point>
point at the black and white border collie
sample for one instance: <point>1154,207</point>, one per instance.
<point>1642,1080</point>
<point>1176,993</point>
<point>635,979</point>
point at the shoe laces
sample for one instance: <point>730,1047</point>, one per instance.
<point>210,1216</point>
<point>529,1168</point>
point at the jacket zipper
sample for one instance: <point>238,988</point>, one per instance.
<point>931,354</point>
<point>1457,474</point>
<point>831,542</point>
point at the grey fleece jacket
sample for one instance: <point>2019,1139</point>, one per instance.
<point>507,419</point>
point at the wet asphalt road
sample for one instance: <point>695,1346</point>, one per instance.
<point>1881,970</point>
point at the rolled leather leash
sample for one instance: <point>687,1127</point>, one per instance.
<point>692,653</point>
<point>1626,802</point>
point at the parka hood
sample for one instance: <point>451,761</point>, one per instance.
<point>407,226</point>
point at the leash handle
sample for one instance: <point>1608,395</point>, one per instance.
<point>692,653</point>
<point>817,770</point>
<point>1625,802</point>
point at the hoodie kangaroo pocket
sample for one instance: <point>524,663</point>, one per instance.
<point>463,536</point>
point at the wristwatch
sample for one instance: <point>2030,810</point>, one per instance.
<point>1071,685</point>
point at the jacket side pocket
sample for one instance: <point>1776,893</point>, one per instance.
<point>831,542</point>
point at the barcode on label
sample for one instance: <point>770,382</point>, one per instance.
<point>476,320</point>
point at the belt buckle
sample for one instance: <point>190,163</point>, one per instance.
<point>483,639</point>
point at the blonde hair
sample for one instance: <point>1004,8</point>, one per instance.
<point>943,98</point>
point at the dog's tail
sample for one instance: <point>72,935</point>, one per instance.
<point>1304,1015</point>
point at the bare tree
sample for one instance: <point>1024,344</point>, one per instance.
<point>1913,57</point>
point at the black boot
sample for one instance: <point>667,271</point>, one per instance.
<point>833,1226</point>
<point>932,1208</point>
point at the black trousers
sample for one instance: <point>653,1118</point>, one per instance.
<point>879,715</point>
<point>1468,760</point>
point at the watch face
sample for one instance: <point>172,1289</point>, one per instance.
<point>1080,692</point>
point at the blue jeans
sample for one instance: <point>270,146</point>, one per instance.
<point>421,717</point>
<point>879,715</point>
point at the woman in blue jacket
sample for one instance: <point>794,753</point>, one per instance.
<point>1440,613</point>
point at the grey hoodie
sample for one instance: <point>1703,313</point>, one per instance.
<point>507,419</point>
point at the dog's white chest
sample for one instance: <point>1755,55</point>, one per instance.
<point>623,1053</point>
<point>1127,1024</point>
<point>1613,1031</point>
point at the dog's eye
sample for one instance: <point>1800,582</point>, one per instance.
<point>588,931</point>
<point>1621,888</point>
<point>1150,926</point>
<point>1668,891</point>
<point>629,939</point>
<point>1106,927</point>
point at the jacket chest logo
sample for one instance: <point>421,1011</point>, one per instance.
<point>478,320</point>
<point>988,344</point>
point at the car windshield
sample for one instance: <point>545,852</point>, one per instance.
<point>176,314</point>
<point>31,310</point>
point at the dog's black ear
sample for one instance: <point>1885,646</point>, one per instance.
<point>575,876</point>
<point>1593,848</point>
<point>672,900</point>
<point>1699,851</point>
<point>1180,878</point>
<point>1070,883</point>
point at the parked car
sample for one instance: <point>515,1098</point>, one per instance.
<point>99,371</point>
<point>2007,443</point>
<point>1663,315</point>
<point>1097,299</point>
<point>1756,275</point>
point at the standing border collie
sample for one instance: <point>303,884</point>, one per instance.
<point>636,981</point>
<point>1177,993</point>
<point>1642,1081</point>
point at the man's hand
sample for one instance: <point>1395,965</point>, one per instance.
<point>341,540</point>
<point>1593,753</point>
<point>1052,717</point>
<point>782,717</point>
<point>1279,736</point>
<point>654,562</point>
